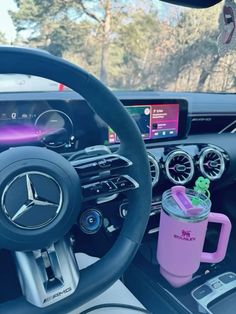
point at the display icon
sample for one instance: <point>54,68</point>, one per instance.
<point>13,115</point>
<point>147,111</point>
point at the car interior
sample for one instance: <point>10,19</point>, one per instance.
<point>86,221</point>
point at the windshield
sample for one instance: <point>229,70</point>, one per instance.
<point>129,45</point>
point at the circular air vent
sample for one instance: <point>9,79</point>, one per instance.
<point>212,164</point>
<point>179,167</point>
<point>154,169</point>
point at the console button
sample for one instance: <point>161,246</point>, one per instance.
<point>216,285</point>
<point>202,292</point>
<point>227,278</point>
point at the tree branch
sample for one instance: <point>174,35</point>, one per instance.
<point>87,12</point>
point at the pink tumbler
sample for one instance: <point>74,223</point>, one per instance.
<point>182,234</point>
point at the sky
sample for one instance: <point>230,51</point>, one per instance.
<point>6,25</point>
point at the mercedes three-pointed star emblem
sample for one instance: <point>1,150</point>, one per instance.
<point>17,212</point>
<point>33,199</point>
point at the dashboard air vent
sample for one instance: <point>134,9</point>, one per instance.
<point>212,164</point>
<point>154,169</point>
<point>179,167</point>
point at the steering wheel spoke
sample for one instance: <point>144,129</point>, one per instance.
<point>102,176</point>
<point>48,275</point>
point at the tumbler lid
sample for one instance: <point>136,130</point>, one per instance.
<point>178,202</point>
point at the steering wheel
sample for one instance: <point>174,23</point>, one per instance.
<point>42,192</point>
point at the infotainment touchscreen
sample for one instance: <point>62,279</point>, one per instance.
<point>157,121</point>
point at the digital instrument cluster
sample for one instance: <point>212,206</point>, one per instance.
<point>70,125</point>
<point>22,124</point>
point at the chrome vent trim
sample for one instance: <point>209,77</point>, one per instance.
<point>154,169</point>
<point>212,163</point>
<point>183,161</point>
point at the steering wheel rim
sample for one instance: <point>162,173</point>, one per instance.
<point>98,277</point>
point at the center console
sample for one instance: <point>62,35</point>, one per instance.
<point>212,289</point>
<point>217,295</point>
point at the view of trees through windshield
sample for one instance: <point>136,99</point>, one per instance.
<point>131,44</point>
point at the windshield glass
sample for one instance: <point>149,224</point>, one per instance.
<point>129,45</point>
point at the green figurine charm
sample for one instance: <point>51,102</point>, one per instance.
<point>202,185</point>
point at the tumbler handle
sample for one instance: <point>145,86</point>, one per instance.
<point>223,241</point>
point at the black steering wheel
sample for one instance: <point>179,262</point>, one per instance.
<point>35,178</point>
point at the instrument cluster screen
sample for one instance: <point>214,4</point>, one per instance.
<point>60,125</point>
<point>155,121</point>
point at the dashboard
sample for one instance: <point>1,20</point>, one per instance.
<point>67,126</point>
<point>186,135</point>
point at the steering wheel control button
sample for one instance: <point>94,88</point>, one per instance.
<point>114,185</point>
<point>202,292</point>
<point>108,186</point>
<point>227,278</point>
<point>100,164</point>
<point>104,164</point>
<point>123,183</point>
<point>123,210</point>
<point>32,200</point>
<point>91,221</point>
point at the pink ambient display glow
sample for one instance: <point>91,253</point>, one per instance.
<point>10,134</point>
